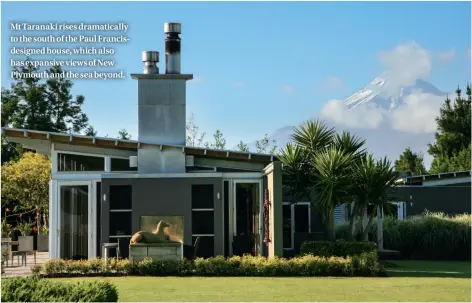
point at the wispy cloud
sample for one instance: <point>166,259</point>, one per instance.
<point>287,89</point>
<point>447,56</point>
<point>239,84</point>
<point>331,83</point>
<point>198,80</point>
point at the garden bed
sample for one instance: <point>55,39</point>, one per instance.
<point>366,264</point>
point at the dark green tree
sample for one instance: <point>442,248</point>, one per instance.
<point>124,135</point>
<point>453,136</point>
<point>410,162</point>
<point>33,103</point>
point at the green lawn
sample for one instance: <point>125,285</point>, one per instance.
<point>409,281</point>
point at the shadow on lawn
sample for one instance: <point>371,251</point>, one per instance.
<point>436,269</point>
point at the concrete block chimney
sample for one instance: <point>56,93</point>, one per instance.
<point>162,108</point>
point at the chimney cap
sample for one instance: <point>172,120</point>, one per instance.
<point>172,27</point>
<point>150,56</point>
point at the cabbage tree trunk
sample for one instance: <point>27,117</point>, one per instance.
<point>365,224</point>
<point>379,228</point>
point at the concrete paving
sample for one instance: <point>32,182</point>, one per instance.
<point>15,270</point>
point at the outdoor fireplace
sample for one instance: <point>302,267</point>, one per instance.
<point>164,240</point>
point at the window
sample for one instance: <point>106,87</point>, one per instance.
<point>287,221</point>
<point>206,246</point>
<point>296,219</point>
<point>120,197</point>
<point>118,164</point>
<point>72,162</point>
<point>202,196</point>
<point>203,223</point>
<point>302,218</point>
<point>120,224</point>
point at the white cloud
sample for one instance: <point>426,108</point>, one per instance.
<point>197,80</point>
<point>447,56</point>
<point>360,117</point>
<point>239,84</point>
<point>287,89</point>
<point>331,83</point>
<point>417,114</point>
<point>405,64</point>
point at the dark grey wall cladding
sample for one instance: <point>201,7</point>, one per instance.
<point>447,199</point>
<point>165,197</point>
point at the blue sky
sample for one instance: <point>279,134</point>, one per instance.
<point>259,66</point>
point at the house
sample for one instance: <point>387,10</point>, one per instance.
<point>103,190</point>
<point>449,193</point>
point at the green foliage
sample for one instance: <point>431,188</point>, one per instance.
<point>44,230</point>
<point>219,141</point>
<point>35,289</point>
<point>453,138</point>
<point>124,135</point>
<point>6,229</point>
<point>360,265</point>
<point>458,162</point>
<point>433,236</point>
<point>338,248</point>
<point>330,168</point>
<point>27,181</point>
<point>265,146</point>
<point>243,147</point>
<point>33,103</point>
<point>410,162</point>
<point>25,228</point>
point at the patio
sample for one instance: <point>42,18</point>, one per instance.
<point>13,270</point>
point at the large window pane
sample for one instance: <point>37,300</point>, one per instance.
<point>301,218</point>
<point>74,222</point>
<point>202,196</point>
<point>68,162</point>
<point>203,222</point>
<point>121,165</point>
<point>287,219</point>
<point>121,197</point>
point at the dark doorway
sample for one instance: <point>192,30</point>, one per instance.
<point>99,217</point>
<point>246,239</point>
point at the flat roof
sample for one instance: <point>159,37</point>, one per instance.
<point>112,143</point>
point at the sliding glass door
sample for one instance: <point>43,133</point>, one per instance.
<point>76,221</point>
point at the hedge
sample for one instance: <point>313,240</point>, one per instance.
<point>337,248</point>
<point>433,236</point>
<point>35,289</point>
<point>363,265</point>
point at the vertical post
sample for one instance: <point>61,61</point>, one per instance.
<point>275,195</point>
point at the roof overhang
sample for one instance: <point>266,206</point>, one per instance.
<point>41,140</point>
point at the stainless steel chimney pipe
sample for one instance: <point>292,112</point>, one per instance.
<point>150,59</point>
<point>172,47</point>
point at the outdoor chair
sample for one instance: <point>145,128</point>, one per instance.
<point>23,249</point>
<point>195,247</point>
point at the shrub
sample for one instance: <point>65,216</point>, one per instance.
<point>433,236</point>
<point>338,248</point>
<point>365,264</point>
<point>35,289</point>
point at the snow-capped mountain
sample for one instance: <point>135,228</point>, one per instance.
<point>386,94</point>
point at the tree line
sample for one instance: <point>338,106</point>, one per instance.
<point>451,149</point>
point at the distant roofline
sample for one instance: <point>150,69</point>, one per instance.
<point>113,143</point>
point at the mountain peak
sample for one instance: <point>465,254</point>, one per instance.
<point>386,93</point>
